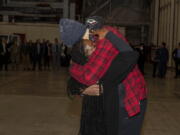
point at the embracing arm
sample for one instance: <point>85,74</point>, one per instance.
<point>97,65</point>
<point>101,59</point>
<point>76,88</point>
<point>124,62</point>
<point>117,42</point>
<point>120,67</point>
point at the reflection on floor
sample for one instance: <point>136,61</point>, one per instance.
<point>35,103</point>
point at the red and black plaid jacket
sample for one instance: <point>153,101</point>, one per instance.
<point>99,63</point>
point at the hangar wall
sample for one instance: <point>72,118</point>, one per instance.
<point>166,24</point>
<point>33,31</point>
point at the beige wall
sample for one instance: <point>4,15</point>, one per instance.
<point>166,24</point>
<point>177,21</point>
<point>32,31</point>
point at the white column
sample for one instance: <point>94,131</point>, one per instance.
<point>171,32</point>
<point>163,21</point>
<point>178,33</point>
<point>160,36</point>
<point>66,9</point>
<point>72,10</point>
<point>176,24</point>
<point>160,24</point>
<point>168,23</point>
<point>156,23</point>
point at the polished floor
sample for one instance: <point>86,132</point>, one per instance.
<point>36,103</point>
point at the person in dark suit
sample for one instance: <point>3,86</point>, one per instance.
<point>25,54</point>
<point>33,56</point>
<point>56,52</point>
<point>46,54</point>
<point>176,57</point>
<point>141,60</point>
<point>4,55</point>
<point>64,56</point>
<point>155,61</point>
<point>1,55</point>
<point>163,59</point>
<point>15,55</point>
<point>31,45</point>
<point>37,53</point>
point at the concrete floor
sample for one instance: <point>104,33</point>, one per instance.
<point>35,103</point>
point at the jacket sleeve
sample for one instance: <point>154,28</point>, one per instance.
<point>120,67</point>
<point>118,43</point>
<point>96,66</point>
<point>74,87</point>
<point>124,62</point>
<point>101,60</point>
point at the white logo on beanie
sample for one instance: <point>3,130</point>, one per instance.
<point>91,21</point>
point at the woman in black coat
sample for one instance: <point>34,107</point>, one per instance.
<point>93,106</point>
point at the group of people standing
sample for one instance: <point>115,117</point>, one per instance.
<point>41,55</point>
<point>161,58</point>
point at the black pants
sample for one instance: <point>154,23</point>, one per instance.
<point>37,60</point>
<point>4,61</point>
<point>177,63</point>
<point>141,66</point>
<point>162,69</point>
<point>1,62</point>
<point>155,65</point>
<point>131,125</point>
<point>46,62</point>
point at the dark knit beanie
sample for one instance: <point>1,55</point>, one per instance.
<point>71,31</point>
<point>94,22</point>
